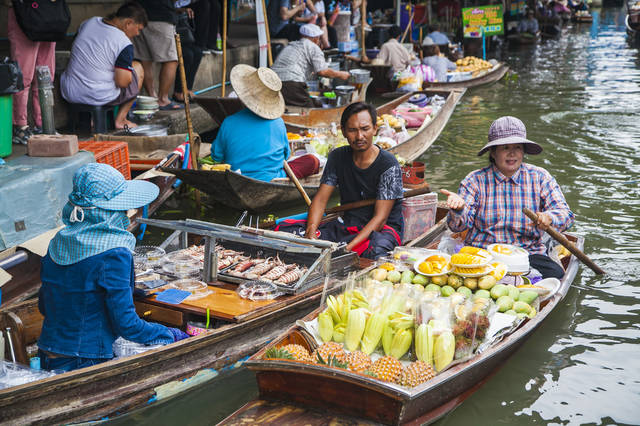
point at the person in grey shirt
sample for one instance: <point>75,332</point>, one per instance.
<point>528,25</point>
<point>298,62</point>
<point>432,58</point>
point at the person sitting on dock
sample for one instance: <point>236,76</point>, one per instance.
<point>432,58</point>
<point>297,63</point>
<point>87,276</point>
<point>529,25</point>
<point>101,69</point>
<point>362,171</point>
<point>489,201</point>
<point>254,140</point>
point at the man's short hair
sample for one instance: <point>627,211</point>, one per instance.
<point>431,50</point>
<point>356,108</point>
<point>132,10</point>
<point>394,31</point>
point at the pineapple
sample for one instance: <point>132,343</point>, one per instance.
<point>387,369</point>
<point>358,361</point>
<point>416,373</point>
<point>328,351</point>
<point>299,352</point>
<point>277,353</point>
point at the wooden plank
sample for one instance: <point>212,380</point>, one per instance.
<point>227,304</point>
<point>158,313</point>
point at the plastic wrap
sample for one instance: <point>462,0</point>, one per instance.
<point>258,290</point>
<point>122,347</point>
<point>13,374</point>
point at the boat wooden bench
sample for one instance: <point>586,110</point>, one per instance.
<point>25,321</point>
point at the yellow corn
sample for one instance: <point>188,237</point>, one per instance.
<point>325,326</point>
<point>355,329</point>
<point>373,332</point>
<point>401,343</point>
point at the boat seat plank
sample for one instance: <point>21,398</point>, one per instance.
<point>25,321</point>
<point>160,314</point>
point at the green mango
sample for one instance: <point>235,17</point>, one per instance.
<point>407,277</point>
<point>471,283</point>
<point>394,276</point>
<point>487,282</point>
<point>511,312</point>
<point>420,279</point>
<point>447,291</point>
<point>498,291</point>
<point>522,315</point>
<point>464,290</point>
<point>482,294</point>
<point>504,303</point>
<point>528,296</point>
<point>521,307</point>
<point>432,287</point>
<point>454,281</point>
<point>514,292</point>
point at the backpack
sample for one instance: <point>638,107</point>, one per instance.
<point>43,20</point>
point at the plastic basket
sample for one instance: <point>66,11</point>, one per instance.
<point>115,154</point>
<point>419,214</point>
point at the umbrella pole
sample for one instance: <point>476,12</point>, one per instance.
<point>363,15</point>
<point>224,46</point>
<point>266,27</point>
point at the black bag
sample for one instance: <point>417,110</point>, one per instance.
<point>185,29</point>
<point>43,20</point>
<point>10,77</point>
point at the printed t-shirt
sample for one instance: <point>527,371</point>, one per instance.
<point>98,49</point>
<point>256,146</point>
<point>382,180</point>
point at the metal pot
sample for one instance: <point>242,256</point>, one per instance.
<point>146,130</point>
<point>360,76</point>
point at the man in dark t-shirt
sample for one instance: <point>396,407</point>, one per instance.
<point>362,171</point>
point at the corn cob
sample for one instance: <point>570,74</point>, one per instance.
<point>373,332</point>
<point>325,325</point>
<point>401,343</point>
<point>355,329</point>
<point>424,343</point>
<point>387,339</point>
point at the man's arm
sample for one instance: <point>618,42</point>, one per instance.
<point>381,211</point>
<point>124,67</point>
<point>344,75</point>
<point>316,210</point>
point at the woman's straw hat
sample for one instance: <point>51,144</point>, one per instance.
<point>259,90</point>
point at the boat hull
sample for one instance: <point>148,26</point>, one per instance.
<point>488,78</point>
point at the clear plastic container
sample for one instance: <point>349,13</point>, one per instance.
<point>148,256</point>
<point>13,374</point>
<point>419,215</point>
<point>258,290</point>
<point>122,347</point>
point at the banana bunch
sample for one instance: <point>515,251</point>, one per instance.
<point>333,322</point>
<point>398,335</point>
<point>467,259</point>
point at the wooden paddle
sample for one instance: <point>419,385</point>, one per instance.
<point>295,180</point>
<point>566,243</point>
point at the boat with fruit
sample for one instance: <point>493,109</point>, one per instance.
<point>297,117</point>
<point>241,192</point>
<point>480,78</point>
<point>425,368</point>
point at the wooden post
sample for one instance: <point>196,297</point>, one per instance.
<point>224,46</point>
<point>296,182</point>
<point>420,42</point>
<point>195,145</point>
<point>407,29</point>
<point>266,27</point>
<point>363,13</point>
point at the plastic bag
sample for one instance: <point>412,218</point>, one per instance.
<point>123,347</point>
<point>10,77</point>
<point>13,374</point>
<point>450,245</point>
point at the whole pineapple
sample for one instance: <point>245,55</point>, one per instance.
<point>416,373</point>
<point>330,351</point>
<point>299,352</point>
<point>358,361</point>
<point>387,369</point>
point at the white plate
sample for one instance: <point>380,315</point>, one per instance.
<point>419,261</point>
<point>553,284</point>
<point>488,269</point>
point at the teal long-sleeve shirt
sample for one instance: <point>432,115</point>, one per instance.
<point>252,144</point>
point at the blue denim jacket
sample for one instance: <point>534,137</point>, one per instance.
<point>88,304</point>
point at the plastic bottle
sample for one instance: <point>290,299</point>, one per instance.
<point>219,42</point>
<point>1,346</point>
<point>369,18</point>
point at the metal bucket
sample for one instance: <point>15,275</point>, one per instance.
<point>146,130</point>
<point>360,76</point>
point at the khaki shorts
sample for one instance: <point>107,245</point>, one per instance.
<point>156,43</point>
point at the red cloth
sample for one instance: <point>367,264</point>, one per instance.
<point>305,166</point>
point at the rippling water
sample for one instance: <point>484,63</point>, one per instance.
<point>579,98</point>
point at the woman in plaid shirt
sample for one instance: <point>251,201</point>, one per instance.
<point>489,201</point>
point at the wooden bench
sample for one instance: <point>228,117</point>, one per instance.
<point>25,322</point>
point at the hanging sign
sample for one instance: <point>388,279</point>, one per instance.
<point>482,21</point>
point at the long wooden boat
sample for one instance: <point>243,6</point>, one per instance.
<point>241,192</point>
<point>295,393</point>
<point>121,385</point>
<point>582,19</point>
<point>220,108</point>
<point>523,39</point>
<point>495,74</point>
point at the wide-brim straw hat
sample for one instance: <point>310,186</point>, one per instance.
<point>507,131</point>
<point>259,90</point>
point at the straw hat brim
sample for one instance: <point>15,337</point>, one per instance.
<point>261,100</point>
<point>530,147</point>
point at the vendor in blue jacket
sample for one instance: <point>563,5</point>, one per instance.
<point>254,139</point>
<point>87,276</point>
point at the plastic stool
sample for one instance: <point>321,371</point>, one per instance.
<point>99,115</point>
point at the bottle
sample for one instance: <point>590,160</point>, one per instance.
<point>219,42</point>
<point>369,18</point>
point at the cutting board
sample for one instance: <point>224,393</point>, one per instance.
<point>227,304</point>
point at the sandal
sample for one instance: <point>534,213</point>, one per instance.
<point>171,106</point>
<point>21,135</point>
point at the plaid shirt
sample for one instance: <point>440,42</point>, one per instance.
<point>493,207</point>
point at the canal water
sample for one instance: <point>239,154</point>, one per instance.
<point>579,96</point>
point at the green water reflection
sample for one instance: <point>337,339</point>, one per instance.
<point>579,97</point>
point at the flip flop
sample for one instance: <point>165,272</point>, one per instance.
<point>171,106</point>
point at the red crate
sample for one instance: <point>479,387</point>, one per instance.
<point>115,154</point>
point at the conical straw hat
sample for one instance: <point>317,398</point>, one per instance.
<point>259,90</point>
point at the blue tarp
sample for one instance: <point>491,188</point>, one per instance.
<point>33,191</point>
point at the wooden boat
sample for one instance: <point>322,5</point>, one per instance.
<point>490,77</point>
<point>308,389</point>
<point>524,39</point>
<point>241,192</point>
<point>632,20</point>
<point>220,108</point>
<point>121,385</point>
<point>582,19</point>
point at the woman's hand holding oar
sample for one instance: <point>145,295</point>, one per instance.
<point>564,241</point>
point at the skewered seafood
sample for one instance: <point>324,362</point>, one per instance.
<point>291,276</point>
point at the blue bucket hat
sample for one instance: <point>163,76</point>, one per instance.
<point>100,185</point>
